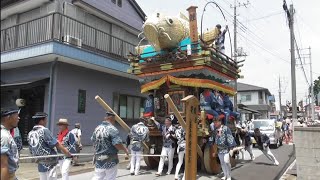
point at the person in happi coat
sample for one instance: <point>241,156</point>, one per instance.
<point>9,148</point>
<point>181,149</point>
<point>68,140</point>
<point>219,42</point>
<point>15,133</point>
<point>222,136</point>
<point>139,133</point>
<point>107,142</point>
<point>77,133</point>
<point>43,143</point>
<point>169,144</point>
<point>246,141</point>
<point>263,143</point>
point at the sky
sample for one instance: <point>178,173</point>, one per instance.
<point>264,35</point>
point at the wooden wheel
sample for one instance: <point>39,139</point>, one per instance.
<point>151,162</point>
<point>233,161</point>
<point>211,164</point>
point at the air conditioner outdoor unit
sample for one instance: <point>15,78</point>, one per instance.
<point>72,40</point>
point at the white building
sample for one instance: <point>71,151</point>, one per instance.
<point>256,98</point>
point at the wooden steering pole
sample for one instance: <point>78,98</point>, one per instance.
<point>181,121</point>
<point>192,105</point>
<point>117,118</point>
<point>190,127</point>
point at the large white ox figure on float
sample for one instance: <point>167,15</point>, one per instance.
<point>165,32</point>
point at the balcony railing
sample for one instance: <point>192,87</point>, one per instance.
<point>56,27</point>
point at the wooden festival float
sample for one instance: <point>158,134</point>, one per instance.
<point>179,63</point>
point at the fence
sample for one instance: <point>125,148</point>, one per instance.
<point>59,27</point>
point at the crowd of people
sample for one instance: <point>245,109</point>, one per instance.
<point>107,142</point>
<point>41,143</point>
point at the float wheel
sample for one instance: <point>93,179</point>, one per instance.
<point>211,164</point>
<point>151,162</point>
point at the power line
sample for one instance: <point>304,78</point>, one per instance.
<point>267,16</point>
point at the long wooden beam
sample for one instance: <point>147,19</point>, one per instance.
<point>180,119</point>
<point>117,118</point>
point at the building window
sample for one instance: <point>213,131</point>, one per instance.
<point>128,107</point>
<point>114,1</point>
<point>245,98</point>
<point>260,95</point>
<point>81,101</point>
<point>120,3</point>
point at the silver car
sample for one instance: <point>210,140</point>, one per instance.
<point>268,127</point>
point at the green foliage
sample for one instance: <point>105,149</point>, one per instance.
<point>316,86</point>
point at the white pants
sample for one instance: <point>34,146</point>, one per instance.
<point>249,149</point>
<point>105,174</point>
<point>50,175</point>
<point>64,168</point>
<point>181,157</point>
<point>225,164</point>
<point>169,152</point>
<point>135,162</point>
<point>266,151</point>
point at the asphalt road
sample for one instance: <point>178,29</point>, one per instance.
<point>261,168</point>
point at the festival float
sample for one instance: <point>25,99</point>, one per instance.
<point>179,61</point>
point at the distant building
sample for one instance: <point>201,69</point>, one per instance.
<point>59,54</point>
<point>257,98</point>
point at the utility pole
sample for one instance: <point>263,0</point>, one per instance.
<point>290,14</point>
<point>311,86</point>
<point>293,66</point>
<point>235,55</point>
<point>280,97</point>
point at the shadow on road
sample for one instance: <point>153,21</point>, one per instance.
<point>263,163</point>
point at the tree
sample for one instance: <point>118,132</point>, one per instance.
<point>316,88</point>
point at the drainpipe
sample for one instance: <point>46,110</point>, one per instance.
<point>52,70</point>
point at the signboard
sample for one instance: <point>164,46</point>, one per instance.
<point>81,101</point>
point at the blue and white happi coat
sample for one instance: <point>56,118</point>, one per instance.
<point>167,132</point>
<point>138,133</point>
<point>42,143</point>
<point>9,148</point>
<point>104,139</point>
<point>225,141</point>
<point>181,137</point>
<point>17,138</point>
<point>69,142</point>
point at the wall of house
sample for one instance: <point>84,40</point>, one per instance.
<point>100,24</point>
<point>254,98</point>
<point>27,73</point>
<point>126,13</point>
<point>81,15</point>
<point>70,78</point>
<point>30,15</point>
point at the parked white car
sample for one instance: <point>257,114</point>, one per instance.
<point>268,126</point>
